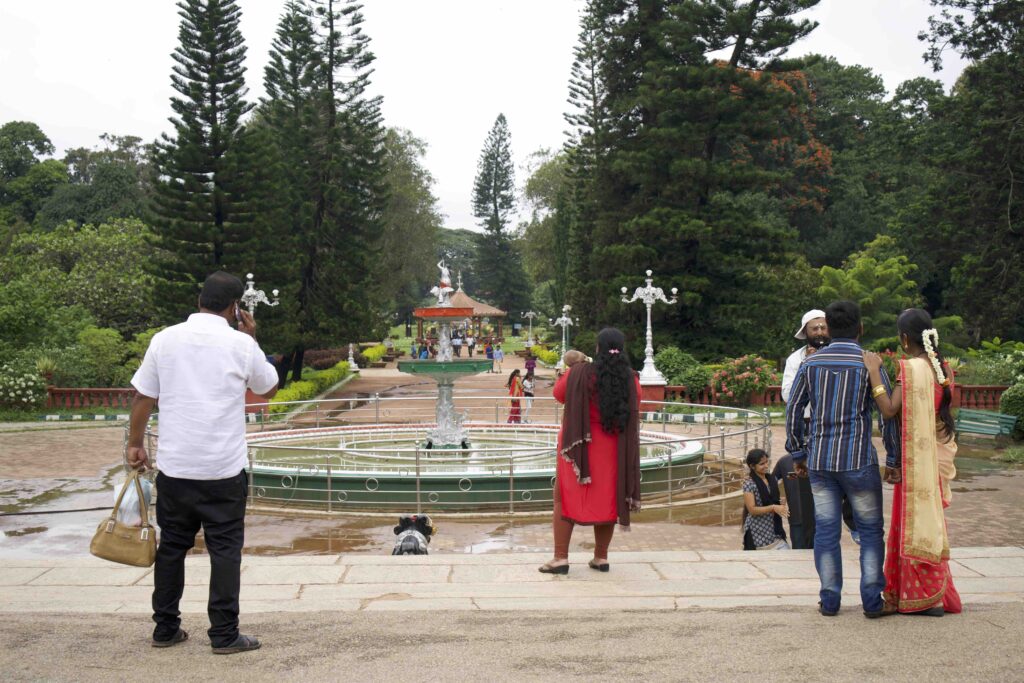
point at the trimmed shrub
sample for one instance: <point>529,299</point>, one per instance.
<point>1012,403</point>
<point>683,370</point>
<point>545,356</point>
<point>375,353</point>
<point>315,383</point>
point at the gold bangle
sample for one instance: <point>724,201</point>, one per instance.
<point>878,391</point>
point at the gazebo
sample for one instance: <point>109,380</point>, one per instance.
<point>460,299</point>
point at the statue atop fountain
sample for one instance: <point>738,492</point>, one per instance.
<point>443,290</point>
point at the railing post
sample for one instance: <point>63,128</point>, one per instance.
<point>330,494</point>
<point>746,433</point>
<point>512,487</point>
<point>251,472</point>
<point>376,407</point>
<point>419,506</point>
<point>497,414</point>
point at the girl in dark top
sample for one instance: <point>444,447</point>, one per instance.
<point>762,508</point>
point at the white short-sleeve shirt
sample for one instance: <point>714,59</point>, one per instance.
<point>199,371</point>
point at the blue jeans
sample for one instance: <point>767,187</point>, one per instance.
<point>863,488</point>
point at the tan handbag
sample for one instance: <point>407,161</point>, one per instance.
<point>117,542</point>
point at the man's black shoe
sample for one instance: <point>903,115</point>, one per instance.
<point>826,613</point>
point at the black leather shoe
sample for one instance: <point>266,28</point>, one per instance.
<point>824,612</point>
<point>548,568</point>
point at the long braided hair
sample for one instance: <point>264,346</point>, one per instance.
<point>917,325</point>
<point>614,377</point>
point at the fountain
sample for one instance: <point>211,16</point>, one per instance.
<point>449,431</point>
<point>383,456</point>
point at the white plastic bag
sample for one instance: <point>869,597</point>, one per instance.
<point>128,513</point>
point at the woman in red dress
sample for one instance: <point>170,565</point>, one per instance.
<point>515,390</point>
<point>917,577</point>
<point>598,459</point>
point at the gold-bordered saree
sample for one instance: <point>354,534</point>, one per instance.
<point>917,553</point>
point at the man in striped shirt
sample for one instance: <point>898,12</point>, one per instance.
<point>836,450</point>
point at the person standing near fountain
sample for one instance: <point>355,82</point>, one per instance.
<point>598,460</point>
<point>515,390</point>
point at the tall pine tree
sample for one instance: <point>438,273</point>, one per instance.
<point>204,216</point>
<point>329,145</point>
<point>504,283</point>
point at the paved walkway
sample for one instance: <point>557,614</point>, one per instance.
<point>362,582</point>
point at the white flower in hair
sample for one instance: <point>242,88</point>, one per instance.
<point>930,340</point>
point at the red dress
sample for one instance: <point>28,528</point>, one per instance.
<point>593,503</point>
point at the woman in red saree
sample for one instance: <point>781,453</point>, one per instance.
<point>515,390</point>
<point>917,577</point>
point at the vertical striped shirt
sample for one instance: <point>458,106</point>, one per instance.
<point>836,386</point>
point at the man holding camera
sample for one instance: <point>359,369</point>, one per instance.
<point>199,370</point>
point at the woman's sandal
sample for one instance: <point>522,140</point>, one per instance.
<point>599,566</point>
<point>549,568</point>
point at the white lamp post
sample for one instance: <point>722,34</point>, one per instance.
<point>650,294</point>
<point>530,315</point>
<point>252,296</point>
<point>564,322</point>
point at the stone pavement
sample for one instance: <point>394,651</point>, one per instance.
<point>457,582</point>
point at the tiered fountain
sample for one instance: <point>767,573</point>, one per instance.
<point>445,369</point>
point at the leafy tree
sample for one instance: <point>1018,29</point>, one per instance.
<point>21,145</point>
<point>690,178</point>
<point>99,268</point>
<point>411,222</point>
<point>204,217</point>
<point>107,183</point>
<point>879,280</point>
<point>967,226</point>
<point>461,248</point>
<point>505,284</point>
<point>28,193</point>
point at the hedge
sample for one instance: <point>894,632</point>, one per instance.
<point>313,386</point>
<point>375,353</point>
<point>545,356</point>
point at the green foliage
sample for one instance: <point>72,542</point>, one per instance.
<point>878,279</point>
<point>307,389</point>
<point>375,353</point>
<point>21,389</point>
<point>996,347</point>
<point>991,370</point>
<point>100,268</point>
<point>1012,403</point>
<point>33,312</point>
<point>545,356</point>
<point>1014,454</point>
<point>105,352</point>
<point>742,377</point>
<point>682,369</point>
<point>21,145</point>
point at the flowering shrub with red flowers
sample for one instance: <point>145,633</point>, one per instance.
<point>741,378</point>
<point>891,362</point>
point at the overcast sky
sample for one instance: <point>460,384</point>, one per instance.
<point>446,68</point>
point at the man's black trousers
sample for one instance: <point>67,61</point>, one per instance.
<point>182,507</point>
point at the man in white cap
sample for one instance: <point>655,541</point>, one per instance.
<point>814,330</point>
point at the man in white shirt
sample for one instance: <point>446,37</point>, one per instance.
<point>199,370</point>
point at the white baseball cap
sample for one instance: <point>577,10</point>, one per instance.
<point>808,317</point>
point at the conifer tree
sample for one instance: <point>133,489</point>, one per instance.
<point>504,280</point>
<point>330,152</point>
<point>204,216</point>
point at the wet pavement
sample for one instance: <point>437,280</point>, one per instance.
<point>55,469</point>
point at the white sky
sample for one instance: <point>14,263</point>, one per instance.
<point>446,68</point>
